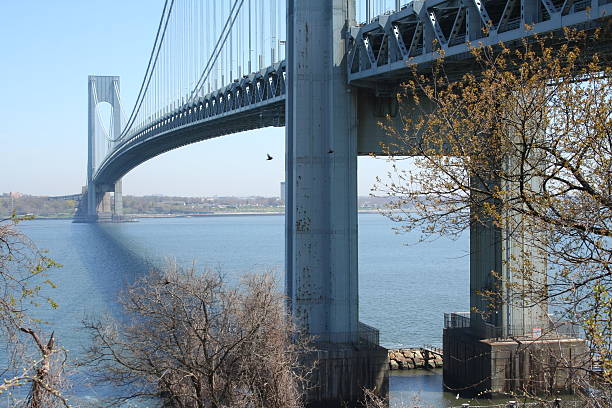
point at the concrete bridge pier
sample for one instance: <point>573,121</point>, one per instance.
<point>118,202</point>
<point>509,344</point>
<point>321,143</point>
<point>93,200</point>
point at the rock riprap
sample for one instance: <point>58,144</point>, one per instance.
<point>411,358</point>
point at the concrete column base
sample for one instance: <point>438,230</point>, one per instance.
<point>81,214</point>
<point>493,367</point>
<point>84,219</point>
<point>343,371</point>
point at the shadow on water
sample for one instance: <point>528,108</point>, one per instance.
<point>112,261</point>
<point>98,263</point>
<point>111,264</point>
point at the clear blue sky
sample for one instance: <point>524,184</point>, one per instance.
<point>48,48</point>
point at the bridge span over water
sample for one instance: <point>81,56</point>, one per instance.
<point>326,70</point>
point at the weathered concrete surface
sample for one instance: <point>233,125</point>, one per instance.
<point>467,367</point>
<point>321,211</point>
<point>537,366</point>
<point>118,202</point>
<point>343,371</point>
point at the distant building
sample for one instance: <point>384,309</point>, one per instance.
<point>283,192</point>
<point>14,194</point>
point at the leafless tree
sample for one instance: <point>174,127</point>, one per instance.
<point>29,362</point>
<point>190,340</point>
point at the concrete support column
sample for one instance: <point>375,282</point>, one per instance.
<point>510,345</point>
<point>105,204</point>
<point>92,202</point>
<point>321,208</point>
<point>505,261</point>
<point>485,259</point>
<point>321,172</point>
<point>118,202</point>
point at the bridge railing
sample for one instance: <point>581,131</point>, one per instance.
<point>368,334</point>
<point>553,329</point>
<point>365,336</point>
<point>456,320</point>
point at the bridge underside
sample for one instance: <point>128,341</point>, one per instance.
<point>385,50</point>
<point>144,148</point>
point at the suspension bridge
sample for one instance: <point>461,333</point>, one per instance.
<point>326,70</point>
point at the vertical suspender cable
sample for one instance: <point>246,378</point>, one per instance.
<point>279,26</point>
<point>219,46</point>
<point>203,33</point>
<point>261,26</point>
<point>208,37</point>
<point>230,49</point>
<point>182,61</point>
<point>184,48</point>
<point>256,27</point>
<point>200,36</point>
<point>250,40</point>
<point>272,31</point>
<point>152,60</point>
<point>215,73</point>
<point>223,56</point>
<point>239,49</point>
<point>187,49</point>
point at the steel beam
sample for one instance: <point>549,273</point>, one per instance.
<point>484,24</point>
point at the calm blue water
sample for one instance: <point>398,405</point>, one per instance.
<point>404,290</point>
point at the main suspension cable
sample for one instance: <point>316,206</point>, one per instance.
<point>151,65</point>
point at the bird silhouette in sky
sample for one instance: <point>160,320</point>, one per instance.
<point>269,157</point>
<point>330,151</point>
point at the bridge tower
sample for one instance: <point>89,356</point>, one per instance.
<point>321,215</point>
<point>102,89</point>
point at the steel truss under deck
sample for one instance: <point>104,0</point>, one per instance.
<point>383,49</point>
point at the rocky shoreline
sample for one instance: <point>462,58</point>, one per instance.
<point>415,358</point>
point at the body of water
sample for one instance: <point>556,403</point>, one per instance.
<point>404,290</point>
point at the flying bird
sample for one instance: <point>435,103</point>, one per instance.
<point>269,157</point>
<point>330,151</point>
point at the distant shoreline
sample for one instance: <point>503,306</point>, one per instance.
<point>213,214</point>
<point>224,214</point>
